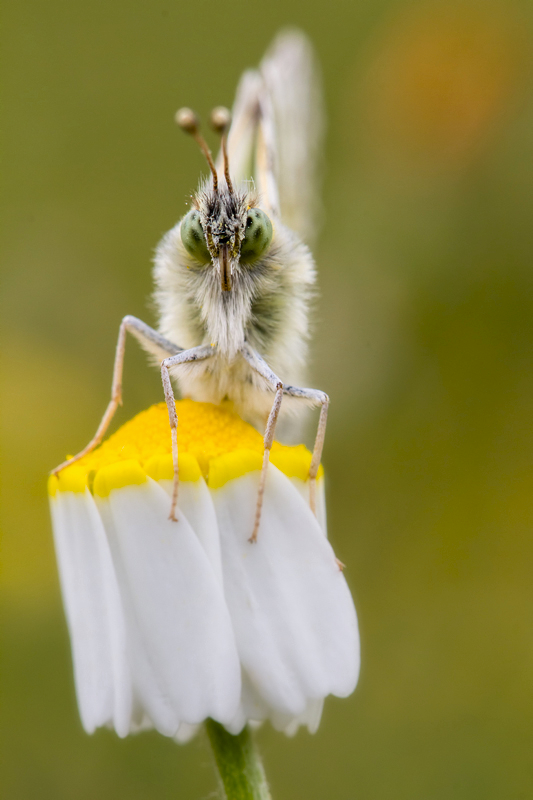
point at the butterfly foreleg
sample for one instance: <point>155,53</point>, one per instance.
<point>148,338</point>
<point>185,357</point>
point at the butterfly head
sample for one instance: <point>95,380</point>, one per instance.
<point>225,229</point>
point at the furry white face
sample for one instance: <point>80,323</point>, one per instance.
<point>225,230</point>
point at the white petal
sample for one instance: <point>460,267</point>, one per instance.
<point>186,732</point>
<point>254,711</point>
<point>185,664</point>
<point>252,708</point>
<point>292,612</point>
<point>309,717</point>
<point>141,723</point>
<point>94,612</point>
<point>194,500</point>
<point>303,490</point>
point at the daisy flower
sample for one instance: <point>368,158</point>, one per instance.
<point>172,623</point>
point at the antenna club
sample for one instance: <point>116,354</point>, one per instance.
<point>187,120</point>
<point>220,119</point>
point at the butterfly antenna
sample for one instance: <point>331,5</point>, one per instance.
<point>220,122</point>
<point>189,122</point>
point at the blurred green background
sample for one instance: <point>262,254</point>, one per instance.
<point>424,340</point>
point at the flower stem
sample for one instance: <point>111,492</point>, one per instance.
<point>241,772</point>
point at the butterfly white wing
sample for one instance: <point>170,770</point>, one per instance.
<point>276,133</point>
<point>292,84</point>
<point>243,132</point>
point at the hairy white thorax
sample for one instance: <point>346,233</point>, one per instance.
<point>267,308</point>
<point>271,158</point>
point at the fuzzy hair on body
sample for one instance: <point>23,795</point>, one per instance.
<point>234,277</point>
<point>267,309</point>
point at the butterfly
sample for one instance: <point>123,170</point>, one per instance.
<point>234,278</point>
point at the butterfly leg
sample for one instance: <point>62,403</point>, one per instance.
<point>185,357</point>
<point>260,366</point>
<point>316,398</point>
<point>151,340</point>
<point>322,399</point>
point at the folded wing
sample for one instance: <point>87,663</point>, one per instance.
<point>276,133</point>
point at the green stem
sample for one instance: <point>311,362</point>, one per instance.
<point>241,772</point>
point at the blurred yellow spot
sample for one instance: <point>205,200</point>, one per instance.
<point>441,75</point>
<point>213,441</point>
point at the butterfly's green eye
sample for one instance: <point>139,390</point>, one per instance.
<point>257,236</point>
<point>192,236</point>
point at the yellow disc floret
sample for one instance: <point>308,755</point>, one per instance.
<point>213,442</point>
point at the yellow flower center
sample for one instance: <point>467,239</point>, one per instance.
<point>213,442</point>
